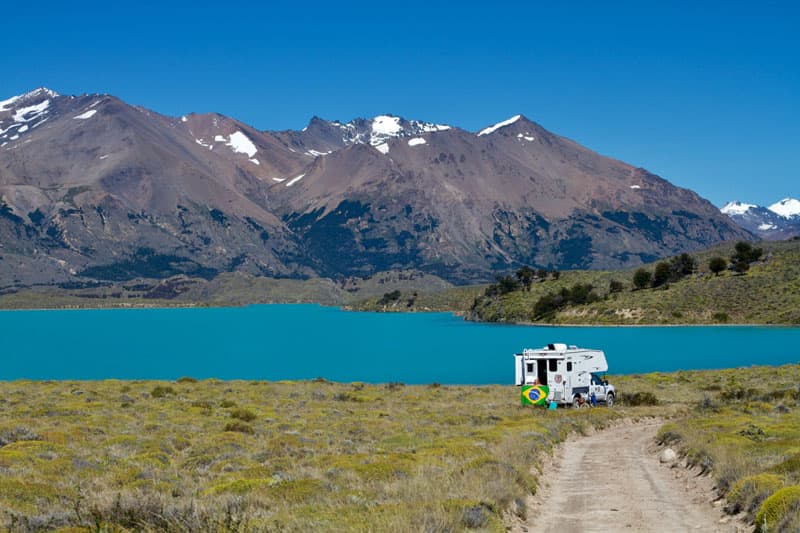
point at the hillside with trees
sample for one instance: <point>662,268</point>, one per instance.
<point>736,283</point>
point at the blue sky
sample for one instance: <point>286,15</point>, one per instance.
<point>705,94</point>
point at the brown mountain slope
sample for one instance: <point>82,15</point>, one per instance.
<point>462,205</point>
<point>93,188</point>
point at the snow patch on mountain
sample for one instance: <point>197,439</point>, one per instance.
<point>416,141</point>
<point>88,114</point>
<point>382,148</point>
<point>737,208</point>
<point>22,114</point>
<point>5,105</point>
<point>766,227</point>
<point>787,208</point>
<point>386,125</point>
<point>241,144</point>
<point>294,180</point>
<point>492,129</point>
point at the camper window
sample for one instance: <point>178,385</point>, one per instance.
<point>553,364</point>
<point>569,367</point>
<point>530,368</point>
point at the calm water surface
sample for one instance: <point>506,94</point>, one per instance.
<point>289,341</point>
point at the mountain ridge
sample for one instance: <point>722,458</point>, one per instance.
<point>92,186</point>
<point>779,221</point>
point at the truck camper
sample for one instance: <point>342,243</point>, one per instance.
<point>566,375</point>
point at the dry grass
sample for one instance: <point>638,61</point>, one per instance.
<point>242,456</point>
<point>295,456</point>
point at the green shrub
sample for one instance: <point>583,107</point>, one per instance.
<point>639,398</point>
<point>227,404</point>
<point>186,379</point>
<point>161,391</point>
<point>239,427</point>
<point>778,508</point>
<point>749,493</point>
<point>243,415</point>
<point>721,317</point>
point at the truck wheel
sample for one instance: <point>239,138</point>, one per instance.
<point>610,400</point>
<point>576,402</point>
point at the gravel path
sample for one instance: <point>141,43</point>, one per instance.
<point>612,481</point>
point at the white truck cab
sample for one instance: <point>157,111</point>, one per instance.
<point>571,374</point>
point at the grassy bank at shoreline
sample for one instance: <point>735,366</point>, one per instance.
<point>241,455</point>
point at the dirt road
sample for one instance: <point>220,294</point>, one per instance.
<point>612,481</point>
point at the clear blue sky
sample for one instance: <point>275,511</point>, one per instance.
<point>707,96</point>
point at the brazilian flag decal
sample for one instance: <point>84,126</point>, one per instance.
<point>534,394</point>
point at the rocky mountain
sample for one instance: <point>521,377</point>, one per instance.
<point>92,188</point>
<point>779,221</point>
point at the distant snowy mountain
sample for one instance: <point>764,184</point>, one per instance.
<point>787,208</point>
<point>779,221</point>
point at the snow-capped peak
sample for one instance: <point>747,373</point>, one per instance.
<point>386,125</point>
<point>5,105</point>
<point>380,129</point>
<point>492,129</point>
<point>787,208</point>
<point>736,208</point>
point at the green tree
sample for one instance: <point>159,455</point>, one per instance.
<point>615,286</point>
<point>642,278</point>
<point>525,276</point>
<point>662,274</point>
<point>682,265</point>
<point>506,284</point>
<point>717,264</point>
<point>744,254</point>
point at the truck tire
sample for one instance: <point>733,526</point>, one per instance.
<point>610,400</point>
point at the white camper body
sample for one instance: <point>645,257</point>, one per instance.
<point>568,371</point>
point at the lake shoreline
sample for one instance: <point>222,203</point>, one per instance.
<point>347,308</point>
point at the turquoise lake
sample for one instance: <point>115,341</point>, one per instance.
<point>288,341</point>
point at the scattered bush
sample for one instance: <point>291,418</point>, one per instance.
<point>186,379</point>
<point>243,415</point>
<point>717,265</point>
<point>749,493</point>
<point>161,391</point>
<point>227,404</point>
<point>721,317</point>
<point>639,398</point>
<point>240,427</point>
<point>753,432</point>
<point>578,294</point>
<point>642,279</point>
<point>17,434</point>
<point>783,505</point>
<point>615,286</point>
<point>744,255</point>
<point>389,297</point>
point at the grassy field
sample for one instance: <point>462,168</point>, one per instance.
<point>769,293</point>
<point>246,456</point>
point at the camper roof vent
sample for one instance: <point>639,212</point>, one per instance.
<point>558,347</point>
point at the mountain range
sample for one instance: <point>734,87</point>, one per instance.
<point>779,221</point>
<point>92,188</point>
